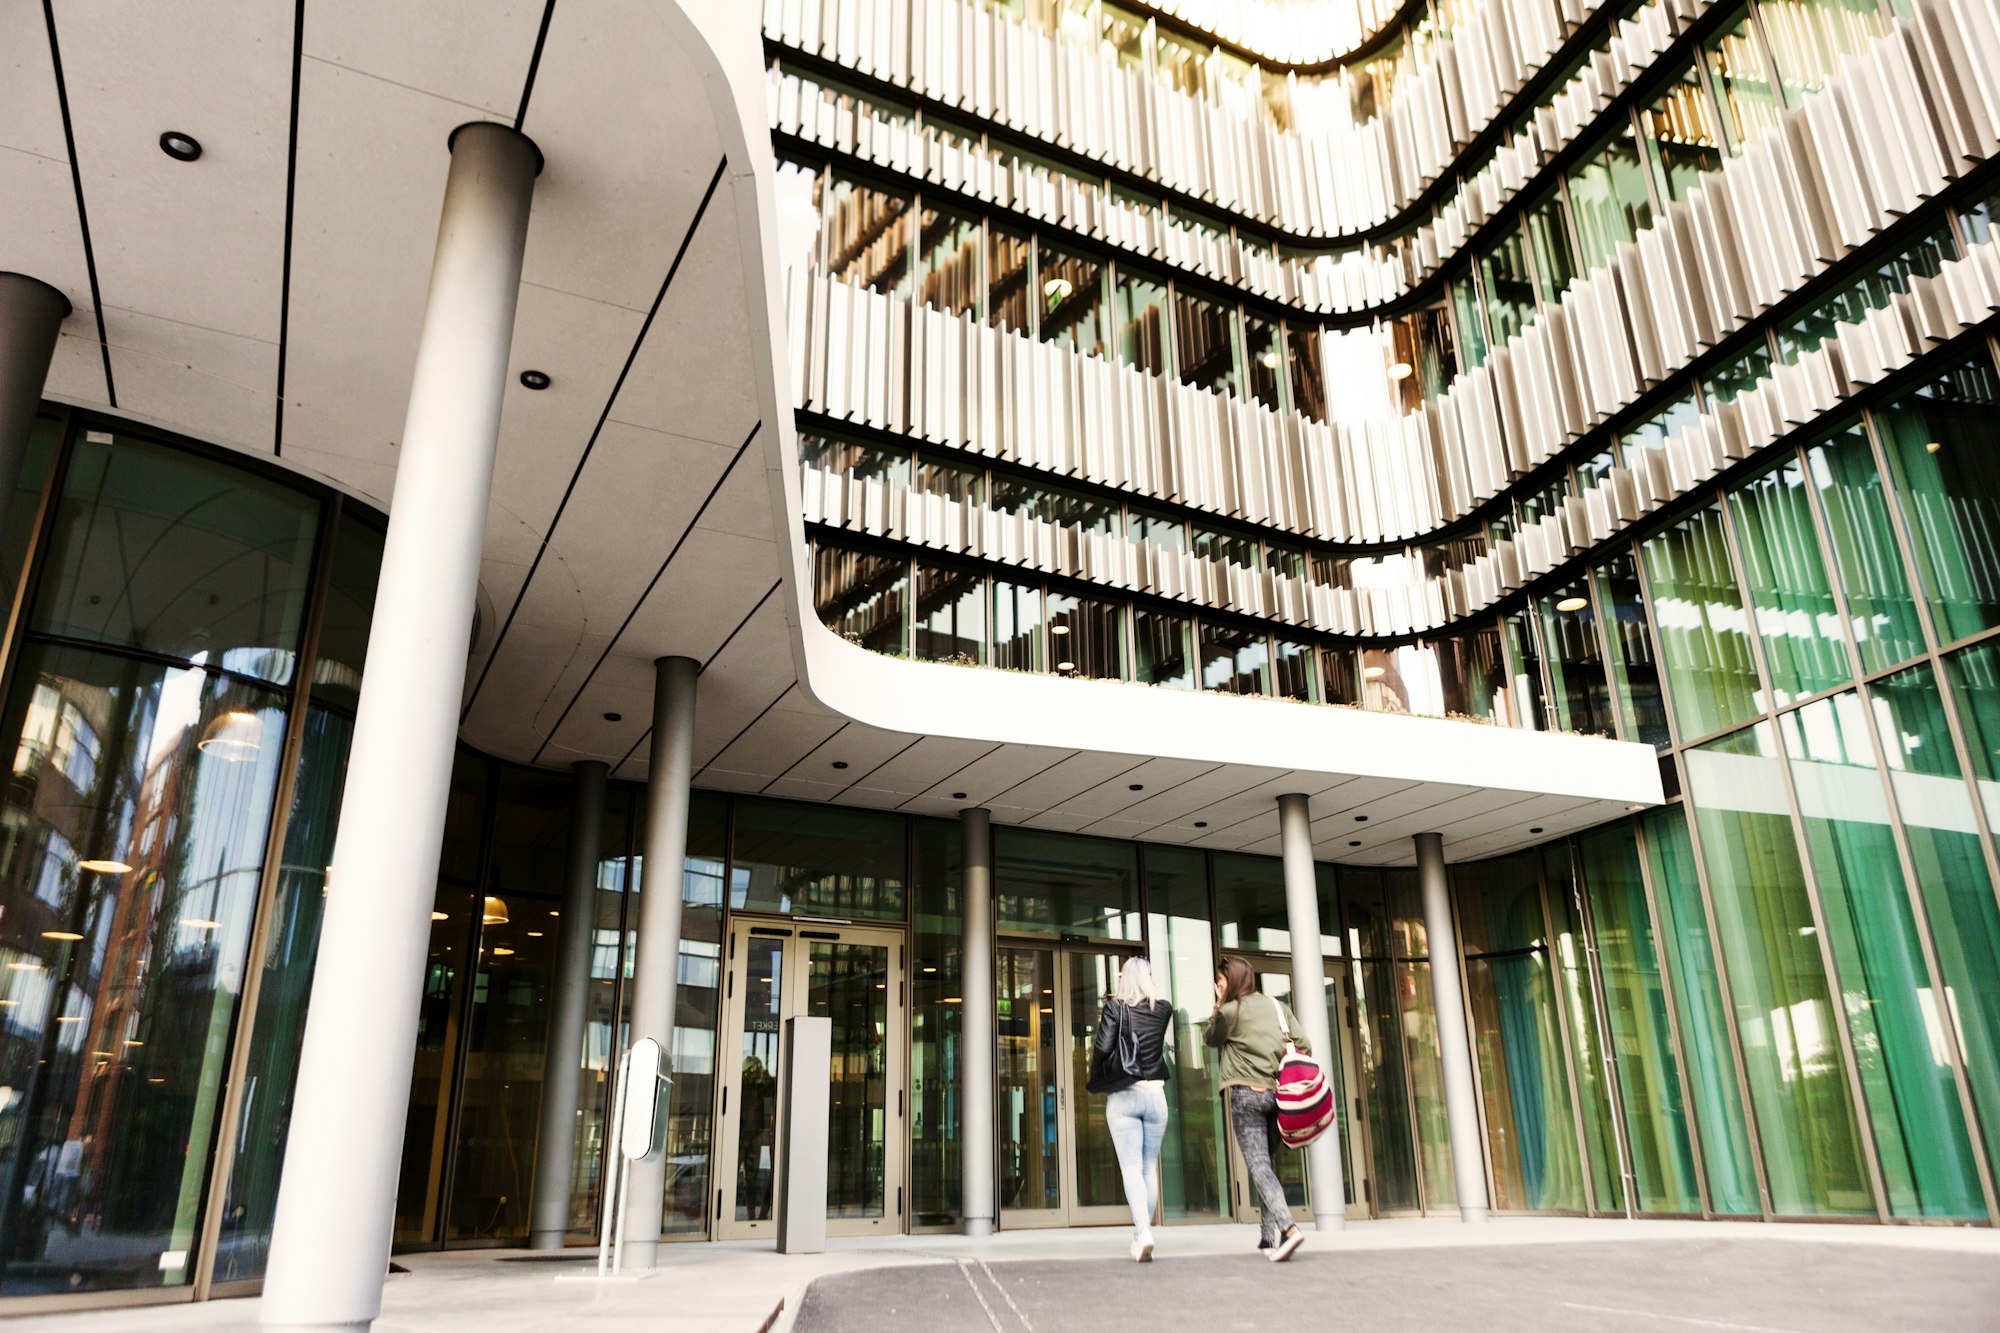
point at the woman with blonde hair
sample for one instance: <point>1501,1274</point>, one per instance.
<point>1128,1062</point>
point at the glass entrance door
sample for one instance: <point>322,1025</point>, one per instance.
<point>853,976</point>
<point>1273,981</point>
<point>1057,1165</point>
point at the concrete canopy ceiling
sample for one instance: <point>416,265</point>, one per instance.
<point>267,298</point>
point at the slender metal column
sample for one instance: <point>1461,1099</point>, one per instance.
<point>978,1151</point>
<point>31,315</point>
<point>1461,1106</point>
<point>330,1242</point>
<point>569,1001</point>
<point>656,966</point>
<point>1329,1188</point>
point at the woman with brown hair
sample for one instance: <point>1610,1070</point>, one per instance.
<point>1249,1032</point>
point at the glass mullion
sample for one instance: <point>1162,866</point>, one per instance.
<point>1564,1021</point>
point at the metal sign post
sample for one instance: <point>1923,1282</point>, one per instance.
<point>638,1132</point>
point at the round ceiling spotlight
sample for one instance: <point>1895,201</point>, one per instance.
<point>1354,842</point>
<point>180,147</point>
<point>1201,823</point>
<point>1059,629</point>
<point>1402,370</point>
<point>1137,786</point>
<point>1568,604</point>
<point>840,763</point>
<point>535,379</point>
<point>1536,829</point>
<point>614,717</point>
<point>1361,819</point>
<point>958,796</point>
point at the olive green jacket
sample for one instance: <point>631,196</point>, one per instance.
<point>1251,1044</point>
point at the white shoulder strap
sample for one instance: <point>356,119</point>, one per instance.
<point>1284,1028</point>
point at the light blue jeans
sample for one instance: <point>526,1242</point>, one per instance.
<point>1137,1118</point>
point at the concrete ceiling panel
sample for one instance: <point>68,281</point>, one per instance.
<point>925,764</point>
<point>473,52</point>
<point>216,386</point>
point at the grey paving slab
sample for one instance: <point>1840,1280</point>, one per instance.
<point>1754,1286</point>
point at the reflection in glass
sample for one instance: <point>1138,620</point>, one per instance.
<point>757,1087</point>
<point>690,1135</point>
<point>1308,370</point>
<point>1192,1171</point>
<point>1234,661</point>
<point>818,859</point>
<point>1608,199</point>
<point>1017,626</point>
<point>1704,634</point>
<point>1704,1021</point>
<point>1879,606</point>
<point>1009,305</point>
<point>936,1003</point>
<point>345,614</point>
<point>1086,637</point>
<point>1892,1006</point>
<point>1635,1005</point>
<point>868,238</point>
<point>1204,344</point>
<point>1509,287</point>
<point>849,983</point>
<point>179,555</point>
<point>1785,1011</point>
<point>1030,1174</point>
<point>1571,959</point>
<point>1162,650</point>
<point>950,615</point>
<point>1061,883</point>
<point>1581,694</point>
<point>1939,441</point>
<point>862,597</point>
<point>1516,1037</point>
<point>1805,649</point>
<point>129,886</point>
<point>1683,140</point>
<point>1750,103</point>
<point>1092,979</point>
<point>1071,311</point>
<point>1263,361</point>
<point>948,248</point>
<point>1634,670</point>
<point>1141,322</point>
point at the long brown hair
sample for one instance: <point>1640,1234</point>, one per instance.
<point>1238,978</point>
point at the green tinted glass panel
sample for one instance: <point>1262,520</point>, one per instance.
<point>1601,1136</point>
<point>1899,1046</point>
<point>792,857</point>
<point>1059,883</point>
<point>1193,1156</point>
<point>1943,834</point>
<point>1419,1034</point>
<point>1750,102</point>
<point>1635,1004</point>
<point>1880,609</point>
<point>1808,38</point>
<point>1683,138</point>
<point>1580,695</point>
<point>1704,639</point>
<point>1510,287</point>
<point>1785,1011</point>
<point>1635,671</point>
<point>1939,439</point>
<point>936,1007</point>
<point>1805,649</point>
<point>1704,1021</point>
<point>1608,198</point>
<point>1517,1037</point>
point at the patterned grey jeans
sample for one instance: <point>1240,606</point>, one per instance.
<point>1255,1116</point>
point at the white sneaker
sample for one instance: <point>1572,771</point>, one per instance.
<point>1142,1251</point>
<point>1288,1244</point>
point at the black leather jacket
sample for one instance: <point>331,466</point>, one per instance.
<point>1131,1045</point>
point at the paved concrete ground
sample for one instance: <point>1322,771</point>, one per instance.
<point>1515,1273</point>
<point>1633,1285</point>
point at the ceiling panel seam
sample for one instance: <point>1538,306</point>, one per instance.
<point>576,475</point>
<point>626,624</point>
<point>534,64</point>
<point>949,776</point>
<point>762,713</point>
<point>291,199</point>
<point>837,733</point>
<point>82,213</point>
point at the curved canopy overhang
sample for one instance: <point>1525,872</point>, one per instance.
<point>267,297</point>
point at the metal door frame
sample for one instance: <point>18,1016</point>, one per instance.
<point>796,934</point>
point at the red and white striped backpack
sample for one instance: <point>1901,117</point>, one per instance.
<point>1305,1095</point>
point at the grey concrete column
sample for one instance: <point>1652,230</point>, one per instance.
<point>1461,1106</point>
<point>1329,1188</point>
<point>977,1040</point>
<point>656,966</point>
<point>569,1005</point>
<point>337,1200</point>
<point>31,315</point>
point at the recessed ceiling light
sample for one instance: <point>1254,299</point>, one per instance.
<point>535,379</point>
<point>1373,672</point>
<point>1268,359</point>
<point>534,934</point>
<point>840,763</point>
<point>1058,288</point>
<point>60,935</point>
<point>1059,629</point>
<point>1361,819</point>
<point>1402,370</point>
<point>1572,603</point>
<point>614,717</point>
<point>503,952</point>
<point>440,916</point>
<point>105,867</point>
<point>1137,786</point>
<point>1065,666</point>
<point>958,796</point>
<point>1201,823</point>
<point>1536,829</point>
<point>1354,842</point>
<point>180,147</point>
<point>1933,446</point>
